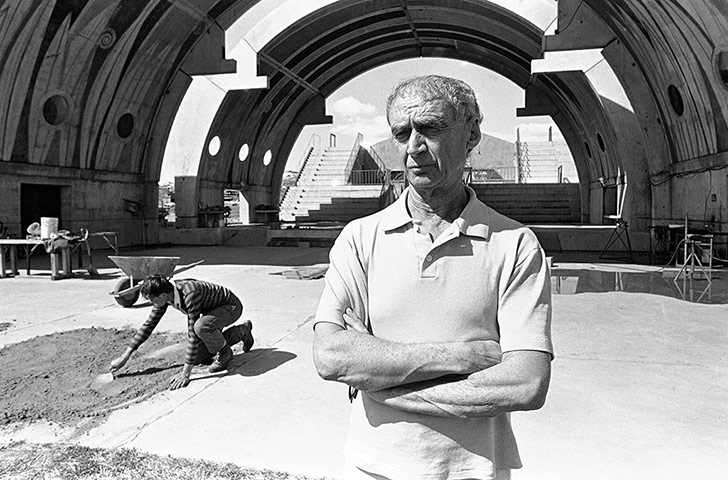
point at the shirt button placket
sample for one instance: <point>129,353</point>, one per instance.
<point>429,269</point>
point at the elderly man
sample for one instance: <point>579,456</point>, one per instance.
<point>437,309</point>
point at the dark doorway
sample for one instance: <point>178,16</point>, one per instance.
<point>39,201</point>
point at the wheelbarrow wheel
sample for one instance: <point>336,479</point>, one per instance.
<point>130,298</point>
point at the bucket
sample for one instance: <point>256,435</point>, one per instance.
<point>48,226</point>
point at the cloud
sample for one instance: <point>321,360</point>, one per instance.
<point>349,107</point>
<point>373,130</point>
<point>352,116</point>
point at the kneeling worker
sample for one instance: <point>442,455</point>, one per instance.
<point>210,308</point>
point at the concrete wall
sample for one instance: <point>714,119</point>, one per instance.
<point>185,201</point>
<point>90,200</point>
<point>253,195</point>
<point>633,156</point>
<point>702,196</point>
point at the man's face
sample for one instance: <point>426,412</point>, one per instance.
<point>159,300</point>
<point>436,144</point>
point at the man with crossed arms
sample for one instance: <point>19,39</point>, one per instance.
<point>437,309</point>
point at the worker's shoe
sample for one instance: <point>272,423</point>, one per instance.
<point>233,335</point>
<point>240,333</point>
<point>221,360</point>
<point>248,340</point>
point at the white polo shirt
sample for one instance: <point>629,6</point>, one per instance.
<point>485,277</point>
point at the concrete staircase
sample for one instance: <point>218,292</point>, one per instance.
<point>534,203</point>
<point>322,194</point>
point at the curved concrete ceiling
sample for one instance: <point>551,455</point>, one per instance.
<point>322,51</point>
<point>671,58</point>
<point>94,86</point>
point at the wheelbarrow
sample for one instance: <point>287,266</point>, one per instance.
<point>136,269</point>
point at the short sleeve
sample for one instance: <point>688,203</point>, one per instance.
<point>524,312</point>
<point>345,282</point>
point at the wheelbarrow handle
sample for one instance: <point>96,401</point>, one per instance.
<point>139,285</point>
<point>185,268</point>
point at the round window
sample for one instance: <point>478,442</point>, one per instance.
<point>267,158</point>
<point>721,64</point>
<point>244,152</point>
<point>55,110</point>
<point>125,125</point>
<point>676,99</point>
<point>214,146</point>
<point>588,149</point>
<point>600,141</point>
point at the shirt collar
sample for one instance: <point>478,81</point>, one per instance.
<point>396,215</point>
<point>473,220</point>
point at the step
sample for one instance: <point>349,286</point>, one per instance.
<point>348,202</point>
<point>344,193</point>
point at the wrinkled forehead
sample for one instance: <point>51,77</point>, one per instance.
<point>408,106</point>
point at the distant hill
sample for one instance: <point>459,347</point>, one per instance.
<point>491,152</point>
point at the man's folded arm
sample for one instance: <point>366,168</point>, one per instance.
<point>371,364</point>
<point>519,382</point>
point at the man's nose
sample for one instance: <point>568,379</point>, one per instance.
<point>415,143</point>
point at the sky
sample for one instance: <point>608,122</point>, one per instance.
<point>358,106</point>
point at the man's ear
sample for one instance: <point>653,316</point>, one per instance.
<point>475,134</point>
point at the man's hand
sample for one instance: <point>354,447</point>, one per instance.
<point>519,382</point>
<point>121,360</point>
<point>179,381</point>
<point>353,322</point>
<point>350,354</point>
<point>182,379</point>
<point>485,353</point>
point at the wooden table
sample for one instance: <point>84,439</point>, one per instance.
<point>60,260</point>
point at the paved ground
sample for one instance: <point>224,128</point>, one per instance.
<point>639,387</point>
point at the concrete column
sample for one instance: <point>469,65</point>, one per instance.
<point>185,201</point>
<point>252,196</point>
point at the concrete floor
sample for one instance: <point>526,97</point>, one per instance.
<point>639,387</point>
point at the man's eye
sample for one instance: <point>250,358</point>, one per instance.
<point>400,136</point>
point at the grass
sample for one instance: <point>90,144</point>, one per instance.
<point>57,461</point>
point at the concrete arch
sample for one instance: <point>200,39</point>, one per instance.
<point>89,91</point>
<point>666,54</point>
<point>323,50</point>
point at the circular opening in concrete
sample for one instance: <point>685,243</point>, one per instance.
<point>244,152</point>
<point>721,65</point>
<point>676,99</point>
<point>600,141</point>
<point>125,125</point>
<point>214,146</point>
<point>55,110</point>
<point>267,158</point>
<point>588,149</point>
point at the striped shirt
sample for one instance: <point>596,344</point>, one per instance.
<point>193,298</point>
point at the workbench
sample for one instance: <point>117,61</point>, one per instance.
<point>60,259</point>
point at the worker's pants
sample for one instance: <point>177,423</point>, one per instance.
<point>209,326</point>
